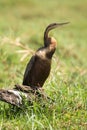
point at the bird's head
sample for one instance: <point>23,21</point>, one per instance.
<point>50,40</point>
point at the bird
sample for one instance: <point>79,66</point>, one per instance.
<point>39,66</point>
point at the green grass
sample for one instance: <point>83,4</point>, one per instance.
<point>67,84</point>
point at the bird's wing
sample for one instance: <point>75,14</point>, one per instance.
<point>29,67</point>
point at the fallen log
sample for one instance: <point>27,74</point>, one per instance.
<point>11,96</point>
<point>16,95</point>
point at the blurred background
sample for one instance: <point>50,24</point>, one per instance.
<point>22,25</point>
<point>24,22</point>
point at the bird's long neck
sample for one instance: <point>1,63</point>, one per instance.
<point>48,28</point>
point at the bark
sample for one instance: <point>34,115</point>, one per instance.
<point>16,95</point>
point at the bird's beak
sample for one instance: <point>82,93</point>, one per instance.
<point>54,25</point>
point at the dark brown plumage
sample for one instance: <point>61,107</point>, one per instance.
<point>39,66</point>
